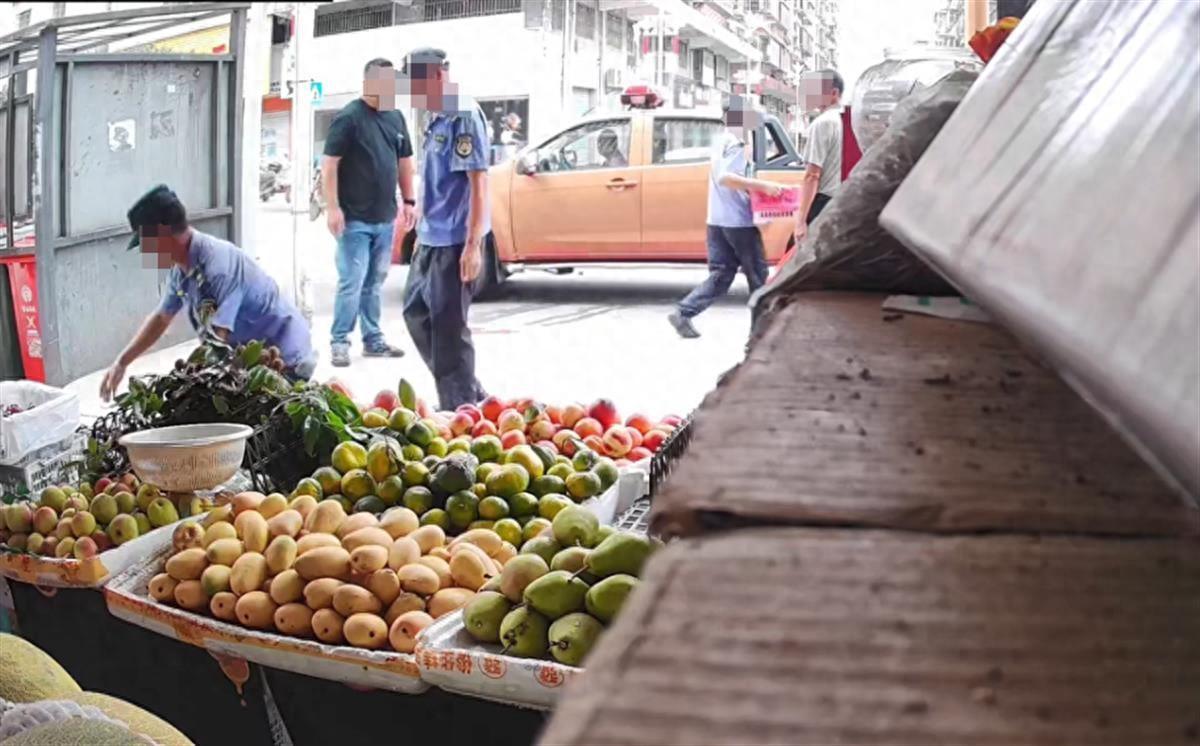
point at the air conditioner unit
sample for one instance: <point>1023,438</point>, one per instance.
<point>614,77</point>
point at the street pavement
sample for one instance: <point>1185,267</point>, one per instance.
<point>558,338</point>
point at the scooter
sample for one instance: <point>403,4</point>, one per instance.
<point>316,197</point>
<point>272,180</point>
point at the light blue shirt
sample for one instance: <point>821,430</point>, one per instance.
<point>455,144</point>
<point>223,287</point>
<point>728,208</point>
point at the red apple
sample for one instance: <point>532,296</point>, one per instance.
<point>387,400</point>
<point>461,423</point>
<point>604,412</point>
<point>130,480</point>
<point>511,439</point>
<point>471,411</point>
<point>542,430</point>
<point>639,454</point>
<point>639,422</point>
<point>573,413</point>
<point>510,419</point>
<point>484,427</point>
<point>653,440</point>
<point>617,442</point>
<point>491,407</point>
<point>588,426</point>
<point>549,446</point>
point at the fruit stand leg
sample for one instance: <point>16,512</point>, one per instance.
<point>373,716</point>
<point>178,682</point>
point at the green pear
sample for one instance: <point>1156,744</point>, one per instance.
<point>147,494</point>
<point>574,526</point>
<point>571,559</point>
<point>623,552</point>
<point>143,523</point>
<point>572,637</point>
<point>605,599</point>
<point>54,497</point>
<point>556,593</point>
<point>523,633</point>
<point>543,546</point>
<point>484,614</point>
<point>601,534</point>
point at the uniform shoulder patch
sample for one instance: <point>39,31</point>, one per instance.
<point>464,145</point>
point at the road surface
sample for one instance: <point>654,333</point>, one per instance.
<point>594,333</point>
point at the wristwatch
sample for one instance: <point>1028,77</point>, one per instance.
<point>410,202</point>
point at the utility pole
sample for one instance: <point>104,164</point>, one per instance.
<point>255,49</point>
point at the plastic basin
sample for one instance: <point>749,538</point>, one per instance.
<point>185,458</point>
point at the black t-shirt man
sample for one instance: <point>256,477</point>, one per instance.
<point>369,143</point>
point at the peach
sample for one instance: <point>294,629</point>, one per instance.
<point>573,413</point>
<point>549,446</point>
<point>604,412</point>
<point>386,400</point>
<point>461,423</point>
<point>616,441</point>
<point>638,454</point>
<point>512,439</point>
<point>596,443</point>
<point>588,426</point>
<point>471,411</point>
<point>555,414</point>
<point>491,408</point>
<point>510,419</point>
<point>653,440</point>
<point>484,427</point>
<point>565,441</point>
<point>542,430</point>
<point>634,435</point>
<point>672,420</point>
<point>639,422</point>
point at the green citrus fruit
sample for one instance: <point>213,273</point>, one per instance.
<point>390,490</point>
<point>329,478</point>
<point>522,504</point>
<point>401,418</point>
<point>493,508</point>
<point>583,484</point>
<point>487,448</point>
<point>527,458</point>
<point>349,455</point>
<point>357,483</point>
<point>462,508</point>
<point>308,486</point>
<point>549,505</point>
<point>418,499</point>
<point>437,447</point>
<point>561,470</point>
<point>508,480</point>
<point>414,473</point>
<point>436,517</point>
<point>509,530</point>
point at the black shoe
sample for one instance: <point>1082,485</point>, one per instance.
<point>382,349</point>
<point>683,325</point>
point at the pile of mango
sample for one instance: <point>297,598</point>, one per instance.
<point>308,569</point>
<point>554,599</point>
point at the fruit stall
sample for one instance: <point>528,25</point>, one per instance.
<point>266,536</point>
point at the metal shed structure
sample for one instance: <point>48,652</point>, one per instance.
<point>94,131</point>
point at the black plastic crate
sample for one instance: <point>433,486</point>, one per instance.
<point>662,462</point>
<point>275,456</point>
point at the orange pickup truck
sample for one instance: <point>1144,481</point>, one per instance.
<point>623,187</point>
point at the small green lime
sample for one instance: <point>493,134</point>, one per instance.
<point>493,508</point>
<point>522,504</point>
<point>418,499</point>
<point>436,517</point>
<point>509,530</point>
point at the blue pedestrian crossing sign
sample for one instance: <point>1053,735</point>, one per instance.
<point>317,91</point>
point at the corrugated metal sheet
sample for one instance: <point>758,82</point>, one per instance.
<point>1064,195</point>
<point>797,637</point>
<point>842,414</point>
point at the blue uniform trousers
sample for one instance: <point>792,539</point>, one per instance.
<point>729,249</point>
<point>435,309</point>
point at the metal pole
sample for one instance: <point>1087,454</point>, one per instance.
<point>44,193</point>
<point>237,45</point>
<point>10,160</point>
<point>602,20</point>
<point>302,148</point>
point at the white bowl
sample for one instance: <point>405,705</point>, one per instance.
<point>185,458</point>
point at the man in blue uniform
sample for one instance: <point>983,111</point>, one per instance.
<point>733,240</point>
<point>454,220</point>
<point>226,294</point>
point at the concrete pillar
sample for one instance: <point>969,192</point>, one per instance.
<point>306,71</point>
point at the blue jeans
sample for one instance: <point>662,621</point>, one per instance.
<point>364,255</point>
<point>729,249</point>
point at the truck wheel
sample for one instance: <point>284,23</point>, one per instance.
<point>490,284</point>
